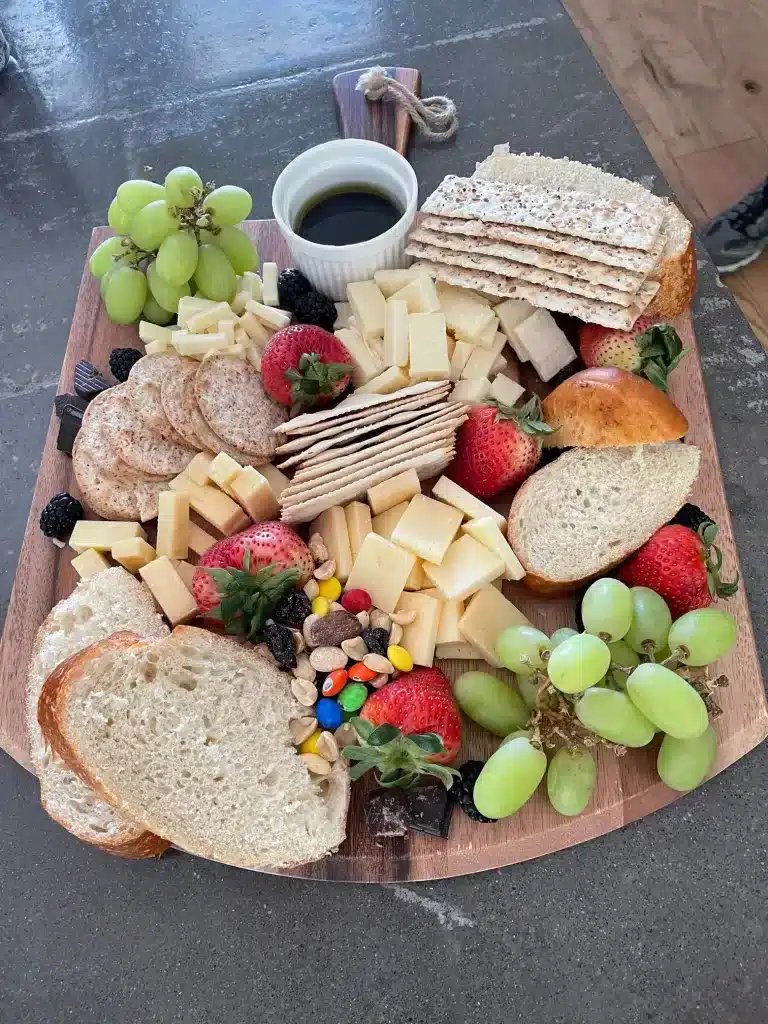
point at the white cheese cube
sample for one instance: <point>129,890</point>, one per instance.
<point>451,612</point>
<point>472,392</point>
<point>446,490</point>
<point>199,322</point>
<point>487,615</point>
<point>168,589</point>
<point>251,489</point>
<point>239,301</point>
<point>487,532</point>
<point>332,527</point>
<point>428,347</point>
<point>389,493</point>
<point>505,390</point>
<point>89,562</point>
<point>548,348</point>
<point>394,378</point>
<point>427,528</point>
<point>365,362</point>
<point>420,294</point>
<point>359,524</point>
<point>511,313</point>
<point>255,329</point>
<point>252,285</point>
<point>153,348</point>
<point>199,468</point>
<point>465,314</point>
<point>277,481</point>
<point>391,281</point>
<point>486,338</point>
<point>396,333</point>
<point>153,332</point>
<point>195,346</point>
<point>227,328</point>
<point>462,350</point>
<point>223,470</point>
<point>191,304</point>
<point>385,522</point>
<point>368,305</point>
<point>269,294</point>
<point>172,525</point>
<point>382,569</point>
<point>275,318</point>
<point>253,355</point>
<point>481,361</point>
<point>420,636</point>
<point>467,566</point>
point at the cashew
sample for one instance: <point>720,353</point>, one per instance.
<point>326,570</point>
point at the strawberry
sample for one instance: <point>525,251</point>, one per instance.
<point>682,565</point>
<point>498,447</point>
<point>409,728</point>
<point>305,366</point>
<point>242,578</point>
<point>650,349</point>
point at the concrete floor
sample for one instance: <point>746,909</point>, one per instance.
<point>661,922</point>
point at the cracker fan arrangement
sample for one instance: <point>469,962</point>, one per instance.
<point>345,496</point>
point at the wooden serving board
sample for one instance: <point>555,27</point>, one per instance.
<point>628,787</point>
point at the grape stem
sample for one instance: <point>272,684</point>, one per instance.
<point>195,218</point>
<point>554,723</point>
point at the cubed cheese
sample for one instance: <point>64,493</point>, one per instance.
<point>195,346</point>
<point>253,355</point>
<point>251,488</point>
<point>332,527</point>
<point>487,614</point>
<point>487,532</point>
<point>89,562</point>
<point>101,534</point>
<point>382,569</point>
<point>269,315</point>
<point>200,540</point>
<point>212,504</point>
<point>548,348</point>
<point>172,524</point>
<point>505,390</point>
<point>252,284</point>
<point>133,554</point>
<point>416,579</point>
<point>223,471</point>
<point>390,282</point>
<point>427,528</point>
<point>365,362</point>
<point>186,572</point>
<point>227,328</point>
<point>465,314</point>
<point>199,467</point>
<point>486,338</point>
<point>394,378</point>
<point>277,481</point>
<point>450,613</point>
<point>420,636</point>
<point>153,348</point>
<point>498,365</point>
<point>446,490</point>
<point>269,285</point>
<point>467,566</point>
<point>511,313</point>
<point>239,301</point>
<point>189,305</point>
<point>462,350</point>
<point>473,392</point>
<point>385,522</point>
<point>255,330</point>
<point>153,332</point>
<point>428,347</point>
<point>388,493</point>
<point>168,589</point>
<point>396,333</point>
<point>420,294</point>
<point>359,524</point>
<point>482,359</point>
<point>368,306</point>
<point>205,318</point>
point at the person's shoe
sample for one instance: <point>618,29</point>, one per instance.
<point>738,236</point>
<point>5,52</point>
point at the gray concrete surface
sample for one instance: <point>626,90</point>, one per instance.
<point>662,922</point>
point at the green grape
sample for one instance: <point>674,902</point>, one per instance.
<point>612,715</point>
<point>125,295</point>
<point>571,778</point>
<point>228,204</point>
<point>514,735</point>
<point>124,261</point>
<point>528,687</point>
<point>683,764</point>
<point>239,249</point>
<point>177,257</point>
<point>651,620</point>
<point>101,258</point>
<point>490,702</point>
<point>164,294</point>
<point>118,219</point>
<point>668,701</point>
<point>509,778</point>
<point>134,195</point>
<point>152,225</point>
<point>622,654</point>
<point>214,276</point>
<point>155,313</point>
<point>703,635</point>
<point>564,633</point>
<point>578,663</point>
<point>520,648</point>
<point>179,183</point>
<point>607,609</point>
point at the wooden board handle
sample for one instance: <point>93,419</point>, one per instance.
<point>380,121</point>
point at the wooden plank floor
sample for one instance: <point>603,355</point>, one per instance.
<point>693,77</point>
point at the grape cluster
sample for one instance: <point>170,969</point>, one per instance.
<point>172,240</point>
<point>631,674</point>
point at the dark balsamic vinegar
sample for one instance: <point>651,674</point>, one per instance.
<point>347,215</point>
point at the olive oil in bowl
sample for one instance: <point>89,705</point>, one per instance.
<point>347,215</point>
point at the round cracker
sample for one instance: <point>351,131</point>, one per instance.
<point>232,399</point>
<point>104,495</point>
<point>135,444</point>
<point>154,367</point>
<point>182,412</point>
<point>95,440</point>
<point>149,406</point>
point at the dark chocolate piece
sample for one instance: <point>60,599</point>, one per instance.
<point>71,419</point>
<point>430,809</point>
<point>89,382</point>
<point>386,813</point>
<point>61,401</point>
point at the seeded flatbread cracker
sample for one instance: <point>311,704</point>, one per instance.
<point>134,443</point>
<point>149,406</point>
<point>357,403</point>
<point>232,399</point>
<point>182,415</point>
<point>100,493</point>
<point>207,439</point>
<point>99,446</point>
<point>154,367</point>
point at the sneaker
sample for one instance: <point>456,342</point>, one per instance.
<point>738,236</point>
<point>5,52</point>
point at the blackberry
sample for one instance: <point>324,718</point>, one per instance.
<point>279,640</point>
<point>121,361</point>
<point>314,308</point>
<point>376,640</point>
<point>293,609</point>
<point>462,790</point>
<point>59,516</point>
<point>691,516</point>
<point>291,285</point>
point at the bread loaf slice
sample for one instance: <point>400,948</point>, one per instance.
<point>592,507</point>
<point>110,601</point>
<point>190,736</point>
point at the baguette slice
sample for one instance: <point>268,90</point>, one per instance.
<point>110,601</point>
<point>190,736</point>
<point>592,507</point>
<point>608,407</point>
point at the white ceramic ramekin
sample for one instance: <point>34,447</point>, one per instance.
<point>330,268</point>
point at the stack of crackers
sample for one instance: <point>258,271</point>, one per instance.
<point>137,436</point>
<point>559,234</point>
<point>337,454</point>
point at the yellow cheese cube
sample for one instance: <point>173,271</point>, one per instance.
<point>277,481</point>
<point>420,636</point>
<point>385,522</point>
<point>481,361</point>
<point>428,347</point>
<point>199,322</point>
<point>381,568</point>
<point>368,306</point>
<point>199,540</point>
<point>485,338</point>
<point>365,362</point>
<point>427,528</point>
<point>253,492</point>
<point>420,295</point>
<point>465,313</point>
<point>416,580</point>
<point>133,554</point>
<point>391,492</point>
<point>168,589</point>
<point>451,612</point>
<point>462,350</point>
<point>332,527</point>
<point>101,534</point>
<point>223,470</point>
<point>392,379</point>
<point>359,524</point>
<point>396,333</point>
<point>467,566</point>
<point>390,282</point>
<point>488,613</point>
<point>472,392</point>
<point>487,532</point>
<point>212,504</point>
<point>448,491</point>
<point>199,468</point>
<point>89,562</point>
<point>172,524</point>
<point>187,573</point>
<point>505,390</point>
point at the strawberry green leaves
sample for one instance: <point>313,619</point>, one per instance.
<point>660,352</point>
<point>714,562</point>
<point>248,599</point>
<point>399,760</point>
<point>314,377</point>
<point>529,417</point>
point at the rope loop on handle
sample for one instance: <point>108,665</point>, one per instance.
<point>435,117</point>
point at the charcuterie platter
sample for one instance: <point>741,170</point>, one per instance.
<point>387,566</point>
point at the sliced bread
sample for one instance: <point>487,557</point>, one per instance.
<point>592,507</point>
<point>608,407</point>
<point>110,601</point>
<point>190,736</point>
